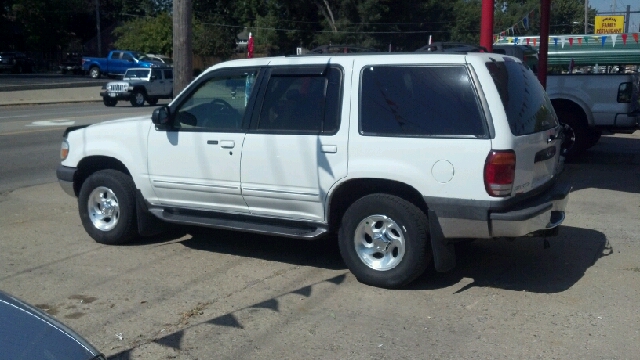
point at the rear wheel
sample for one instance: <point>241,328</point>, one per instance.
<point>94,72</point>
<point>576,134</point>
<point>384,240</point>
<point>137,98</point>
<point>106,203</point>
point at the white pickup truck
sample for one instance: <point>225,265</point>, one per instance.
<point>587,104</point>
<point>590,104</point>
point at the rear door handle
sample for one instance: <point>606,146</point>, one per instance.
<point>227,144</point>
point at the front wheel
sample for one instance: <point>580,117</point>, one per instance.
<point>109,101</point>
<point>384,240</point>
<point>106,204</point>
<point>138,98</point>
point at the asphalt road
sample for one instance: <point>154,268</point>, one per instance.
<point>30,137</point>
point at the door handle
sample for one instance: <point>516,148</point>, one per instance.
<point>212,142</point>
<point>329,149</point>
<point>227,144</point>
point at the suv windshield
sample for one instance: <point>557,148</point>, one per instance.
<point>137,74</point>
<point>527,106</point>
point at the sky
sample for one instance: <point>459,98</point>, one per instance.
<point>621,6</point>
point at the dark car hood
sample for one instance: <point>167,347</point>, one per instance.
<point>29,333</point>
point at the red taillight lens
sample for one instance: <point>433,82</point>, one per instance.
<point>499,172</point>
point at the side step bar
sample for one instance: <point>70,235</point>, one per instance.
<point>266,226</point>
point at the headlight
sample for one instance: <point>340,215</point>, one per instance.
<point>64,150</point>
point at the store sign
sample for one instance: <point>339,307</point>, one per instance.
<point>609,24</point>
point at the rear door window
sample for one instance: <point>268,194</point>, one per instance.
<point>419,101</point>
<point>526,103</point>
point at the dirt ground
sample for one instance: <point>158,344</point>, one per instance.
<point>208,294</point>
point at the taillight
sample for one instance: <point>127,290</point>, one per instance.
<point>500,172</point>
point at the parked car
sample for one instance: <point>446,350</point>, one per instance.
<point>16,62</point>
<point>116,63</point>
<point>400,155</point>
<point>71,63</point>
<point>139,85</point>
<point>28,333</point>
<point>167,61</point>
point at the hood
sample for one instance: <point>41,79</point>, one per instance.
<point>29,333</point>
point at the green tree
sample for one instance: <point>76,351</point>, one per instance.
<point>146,34</point>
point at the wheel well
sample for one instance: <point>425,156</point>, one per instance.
<point>140,88</point>
<point>90,165</point>
<point>560,105</point>
<point>352,190</point>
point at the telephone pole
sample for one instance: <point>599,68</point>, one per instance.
<point>182,54</point>
<point>99,37</point>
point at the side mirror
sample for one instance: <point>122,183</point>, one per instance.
<point>625,92</point>
<point>161,116</point>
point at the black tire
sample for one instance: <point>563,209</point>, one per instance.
<point>109,101</point>
<point>405,221</point>
<point>116,216</point>
<point>94,72</point>
<point>152,100</point>
<point>576,132</point>
<point>137,98</point>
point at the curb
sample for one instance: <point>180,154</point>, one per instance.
<point>52,86</point>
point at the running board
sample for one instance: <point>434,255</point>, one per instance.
<point>247,223</point>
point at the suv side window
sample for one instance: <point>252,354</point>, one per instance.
<point>419,101</point>
<point>116,55</point>
<point>302,103</point>
<point>127,56</point>
<point>218,103</point>
<point>168,74</point>
<point>157,74</point>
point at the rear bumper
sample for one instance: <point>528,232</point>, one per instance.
<point>543,213</point>
<point>517,216</point>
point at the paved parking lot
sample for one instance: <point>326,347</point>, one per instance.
<point>206,294</point>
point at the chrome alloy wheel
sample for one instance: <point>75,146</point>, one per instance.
<point>379,242</point>
<point>104,210</point>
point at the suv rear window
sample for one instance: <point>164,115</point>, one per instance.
<point>419,101</point>
<point>526,103</point>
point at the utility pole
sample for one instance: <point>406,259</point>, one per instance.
<point>182,54</point>
<point>586,15</point>
<point>627,18</point>
<point>98,28</point>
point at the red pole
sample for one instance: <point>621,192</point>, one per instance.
<point>486,27</point>
<point>545,10</point>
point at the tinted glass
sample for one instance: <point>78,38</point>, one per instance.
<point>157,74</point>
<point>526,103</point>
<point>168,74</point>
<point>135,74</point>
<point>127,56</point>
<point>293,103</point>
<point>419,101</point>
<point>219,103</point>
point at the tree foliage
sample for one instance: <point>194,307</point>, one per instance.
<point>148,35</point>
<point>278,26</point>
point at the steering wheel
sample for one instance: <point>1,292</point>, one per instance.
<point>221,106</point>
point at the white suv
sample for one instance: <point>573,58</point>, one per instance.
<point>399,154</point>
